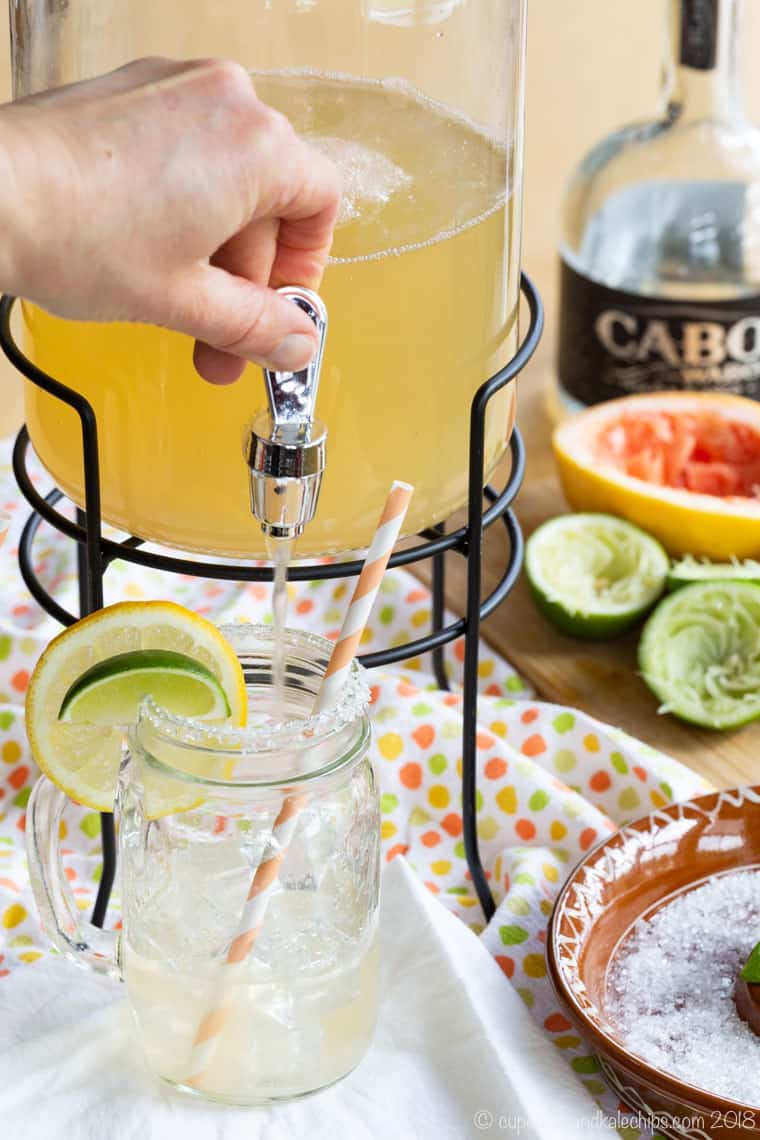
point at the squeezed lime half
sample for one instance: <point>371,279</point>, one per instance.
<point>689,570</point>
<point>594,576</point>
<point>700,654</point>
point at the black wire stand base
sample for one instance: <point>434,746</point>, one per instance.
<point>486,506</point>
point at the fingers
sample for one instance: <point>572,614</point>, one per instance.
<point>215,366</point>
<point>290,246</point>
<point>288,240</point>
<point>303,248</point>
<point>238,205</point>
<point>231,316</point>
<point>300,187</point>
<point>307,219</point>
<point>250,255</point>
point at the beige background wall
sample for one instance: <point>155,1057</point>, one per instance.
<point>592,65</point>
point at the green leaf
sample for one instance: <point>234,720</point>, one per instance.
<point>751,971</point>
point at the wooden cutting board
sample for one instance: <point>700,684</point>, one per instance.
<point>599,679</point>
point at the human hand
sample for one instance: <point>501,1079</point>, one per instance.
<point>167,193</point>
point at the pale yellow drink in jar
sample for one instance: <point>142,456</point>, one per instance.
<point>285,1034</point>
<point>422,299</point>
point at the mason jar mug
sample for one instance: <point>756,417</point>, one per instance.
<point>249,868</point>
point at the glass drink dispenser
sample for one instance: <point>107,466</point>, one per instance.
<point>420,104</point>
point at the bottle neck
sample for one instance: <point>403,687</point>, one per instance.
<point>702,78</point>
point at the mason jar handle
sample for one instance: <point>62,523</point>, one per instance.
<point>62,920</point>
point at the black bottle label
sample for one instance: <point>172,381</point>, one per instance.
<point>699,34</point>
<point>613,343</point>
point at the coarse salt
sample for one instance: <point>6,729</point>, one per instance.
<point>670,988</point>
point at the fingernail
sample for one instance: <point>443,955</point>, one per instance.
<point>293,353</point>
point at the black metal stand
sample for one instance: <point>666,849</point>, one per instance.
<point>95,553</point>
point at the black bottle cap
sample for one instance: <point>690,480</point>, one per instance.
<point>699,34</point>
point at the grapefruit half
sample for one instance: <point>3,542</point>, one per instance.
<point>683,466</point>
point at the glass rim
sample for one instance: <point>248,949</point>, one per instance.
<point>294,735</point>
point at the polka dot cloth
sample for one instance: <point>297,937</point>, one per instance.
<point>551,781</point>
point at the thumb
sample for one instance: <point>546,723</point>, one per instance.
<point>235,319</point>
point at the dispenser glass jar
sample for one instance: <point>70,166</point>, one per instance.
<point>420,103</point>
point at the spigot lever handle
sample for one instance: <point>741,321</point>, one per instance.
<point>292,396</point>
<point>286,444</point>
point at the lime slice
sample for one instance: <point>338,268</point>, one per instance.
<point>111,691</point>
<point>689,570</point>
<point>751,969</point>
<point>594,576</point>
<point>700,654</point>
<point>82,755</point>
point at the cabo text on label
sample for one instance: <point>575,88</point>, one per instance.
<point>679,343</point>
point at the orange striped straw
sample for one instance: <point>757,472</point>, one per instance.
<point>265,879</point>
<point>365,593</point>
<point>251,920</point>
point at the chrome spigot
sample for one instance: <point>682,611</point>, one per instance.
<point>286,448</point>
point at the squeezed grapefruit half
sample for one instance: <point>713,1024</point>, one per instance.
<point>683,466</point>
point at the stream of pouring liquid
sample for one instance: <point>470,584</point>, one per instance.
<point>279,551</point>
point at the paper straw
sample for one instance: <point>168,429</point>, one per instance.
<point>365,592</point>
<point>265,879</point>
<point>211,1026</point>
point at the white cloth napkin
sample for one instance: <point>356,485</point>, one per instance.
<point>456,1055</point>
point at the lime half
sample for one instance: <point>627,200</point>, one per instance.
<point>690,570</point>
<point>700,654</point>
<point>111,691</point>
<point>594,576</point>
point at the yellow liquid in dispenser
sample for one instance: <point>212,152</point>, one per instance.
<point>422,311</point>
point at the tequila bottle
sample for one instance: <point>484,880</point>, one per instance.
<point>660,264</point>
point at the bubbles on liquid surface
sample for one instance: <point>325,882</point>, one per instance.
<point>369,178</point>
<point>415,171</point>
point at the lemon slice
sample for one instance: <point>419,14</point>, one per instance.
<point>111,691</point>
<point>83,758</point>
<point>594,576</point>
